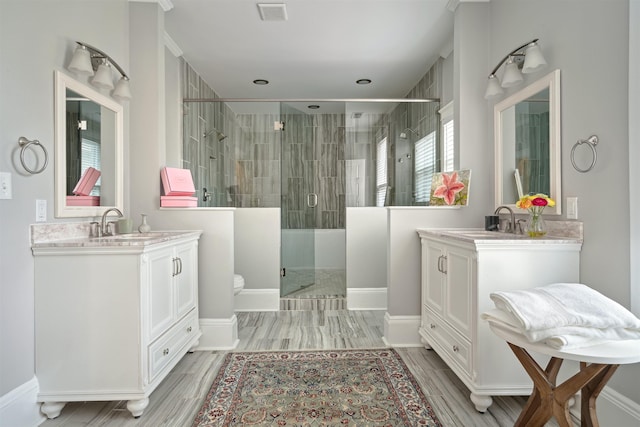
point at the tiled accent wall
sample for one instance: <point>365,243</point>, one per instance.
<point>313,163</point>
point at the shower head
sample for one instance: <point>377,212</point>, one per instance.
<point>403,134</point>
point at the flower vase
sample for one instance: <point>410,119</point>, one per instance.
<point>535,225</point>
<point>144,227</point>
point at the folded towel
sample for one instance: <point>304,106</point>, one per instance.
<point>564,304</point>
<point>561,338</point>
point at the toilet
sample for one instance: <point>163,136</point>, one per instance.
<point>238,283</point>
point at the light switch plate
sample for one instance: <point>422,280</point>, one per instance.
<point>572,208</point>
<point>41,210</point>
<point>5,185</point>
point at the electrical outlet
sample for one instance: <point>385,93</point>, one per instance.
<point>572,208</point>
<point>41,210</point>
<point>5,185</point>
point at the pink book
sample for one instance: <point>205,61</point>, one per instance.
<point>83,200</point>
<point>87,181</point>
<point>178,202</point>
<point>177,182</point>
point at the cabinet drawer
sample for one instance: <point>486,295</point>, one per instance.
<point>163,350</point>
<point>455,346</point>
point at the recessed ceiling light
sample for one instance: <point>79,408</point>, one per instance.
<point>363,81</point>
<point>313,107</point>
<point>260,82</point>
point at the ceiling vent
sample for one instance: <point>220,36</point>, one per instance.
<point>273,11</point>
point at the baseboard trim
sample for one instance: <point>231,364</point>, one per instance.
<point>367,298</point>
<point>401,331</point>
<point>20,406</point>
<point>218,334</point>
<point>616,409</point>
<point>257,300</point>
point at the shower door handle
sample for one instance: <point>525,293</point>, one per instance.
<point>312,200</point>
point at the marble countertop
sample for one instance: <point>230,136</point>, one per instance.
<point>118,240</point>
<point>478,235</point>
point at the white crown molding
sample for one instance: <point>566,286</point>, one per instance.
<point>166,5</point>
<point>172,45</point>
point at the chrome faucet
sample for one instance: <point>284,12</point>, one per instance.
<point>512,222</point>
<point>104,230</point>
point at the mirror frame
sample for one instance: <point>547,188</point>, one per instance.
<point>62,83</point>
<point>552,82</point>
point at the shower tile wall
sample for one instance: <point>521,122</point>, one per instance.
<point>314,163</point>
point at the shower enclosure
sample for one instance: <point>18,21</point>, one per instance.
<point>313,159</point>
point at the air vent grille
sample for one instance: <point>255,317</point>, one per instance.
<point>273,11</point>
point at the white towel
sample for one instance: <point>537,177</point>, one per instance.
<point>564,304</point>
<point>563,338</point>
<point>563,315</point>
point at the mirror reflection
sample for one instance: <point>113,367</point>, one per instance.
<point>527,137</point>
<point>89,136</point>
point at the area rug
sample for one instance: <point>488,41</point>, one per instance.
<point>315,388</point>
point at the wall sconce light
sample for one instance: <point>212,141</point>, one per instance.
<point>90,61</point>
<point>527,58</point>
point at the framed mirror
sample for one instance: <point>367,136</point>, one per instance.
<point>88,150</point>
<point>527,144</point>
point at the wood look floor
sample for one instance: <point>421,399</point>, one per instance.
<point>177,400</point>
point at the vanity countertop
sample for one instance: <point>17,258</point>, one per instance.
<point>115,241</point>
<point>481,236</point>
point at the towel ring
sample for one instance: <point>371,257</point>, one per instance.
<point>591,143</point>
<point>25,143</point>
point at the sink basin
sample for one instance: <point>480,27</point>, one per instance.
<point>482,234</point>
<point>134,236</point>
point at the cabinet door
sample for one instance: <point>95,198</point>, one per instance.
<point>432,277</point>
<point>460,278</point>
<point>186,279</point>
<point>161,302</point>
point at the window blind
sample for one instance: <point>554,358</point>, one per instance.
<point>425,166</point>
<point>90,157</point>
<point>381,172</point>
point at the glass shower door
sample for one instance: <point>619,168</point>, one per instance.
<point>299,202</point>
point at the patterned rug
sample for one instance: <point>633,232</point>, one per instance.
<point>315,388</point>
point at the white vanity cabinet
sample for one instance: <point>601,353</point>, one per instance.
<point>459,271</point>
<point>113,318</point>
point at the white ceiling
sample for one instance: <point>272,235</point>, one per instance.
<point>319,52</point>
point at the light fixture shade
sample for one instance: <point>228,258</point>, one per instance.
<point>123,91</point>
<point>512,76</point>
<point>81,62</point>
<point>533,60</point>
<point>493,87</point>
<point>103,78</point>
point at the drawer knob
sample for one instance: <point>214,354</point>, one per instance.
<point>432,326</point>
<point>189,329</point>
<point>455,348</point>
<point>165,351</point>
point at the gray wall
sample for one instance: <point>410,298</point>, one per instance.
<point>36,38</point>
<point>594,99</point>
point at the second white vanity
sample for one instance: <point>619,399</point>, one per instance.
<point>460,268</point>
<point>113,315</point>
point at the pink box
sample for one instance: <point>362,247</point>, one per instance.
<point>178,202</point>
<point>87,181</point>
<point>83,200</point>
<point>177,182</point>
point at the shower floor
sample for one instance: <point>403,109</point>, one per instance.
<point>314,284</point>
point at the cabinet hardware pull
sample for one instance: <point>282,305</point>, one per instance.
<point>175,267</point>
<point>179,265</point>
<point>432,326</point>
<point>165,351</point>
<point>444,264</point>
<point>440,263</point>
<point>455,348</point>
<point>189,329</point>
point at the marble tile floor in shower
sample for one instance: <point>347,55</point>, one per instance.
<point>178,398</point>
<point>319,283</point>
